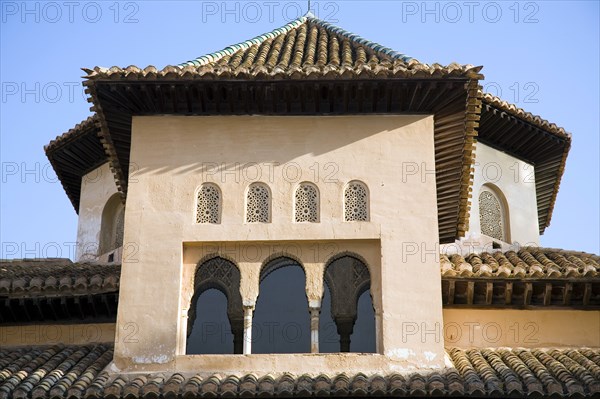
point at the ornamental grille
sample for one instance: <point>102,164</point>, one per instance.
<point>490,216</point>
<point>258,204</point>
<point>356,207</point>
<point>208,209</point>
<point>307,203</point>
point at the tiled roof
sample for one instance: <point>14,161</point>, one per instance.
<point>530,138</point>
<point>75,153</point>
<point>56,277</point>
<point>526,263</point>
<point>526,116</point>
<point>72,134</point>
<point>81,372</point>
<point>304,48</point>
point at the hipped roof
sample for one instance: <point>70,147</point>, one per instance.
<point>350,75</point>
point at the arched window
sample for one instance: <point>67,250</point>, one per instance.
<point>348,305</point>
<point>356,202</point>
<point>306,203</point>
<point>258,203</point>
<point>216,314</point>
<point>208,206</point>
<point>493,214</point>
<point>112,225</point>
<point>281,321</point>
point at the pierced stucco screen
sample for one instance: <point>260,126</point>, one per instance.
<point>356,202</point>
<point>491,215</point>
<point>258,204</point>
<point>306,203</point>
<point>208,207</point>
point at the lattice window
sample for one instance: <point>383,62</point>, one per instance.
<point>208,207</point>
<point>356,202</point>
<point>490,215</point>
<point>258,204</point>
<point>307,203</point>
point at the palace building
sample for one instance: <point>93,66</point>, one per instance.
<point>306,213</point>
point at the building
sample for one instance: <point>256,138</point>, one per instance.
<point>406,204</point>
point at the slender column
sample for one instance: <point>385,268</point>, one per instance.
<point>183,332</point>
<point>248,310</point>
<point>378,332</point>
<point>344,328</point>
<point>314,329</point>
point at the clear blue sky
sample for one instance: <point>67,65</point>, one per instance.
<point>542,56</point>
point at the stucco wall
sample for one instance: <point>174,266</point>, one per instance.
<point>515,179</point>
<point>174,155</point>
<point>96,188</point>
<point>472,328</point>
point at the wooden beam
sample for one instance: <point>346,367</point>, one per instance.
<point>489,293</point>
<point>567,292</point>
<point>527,294</point>
<point>587,294</point>
<point>548,294</point>
<point>470,292</point>
<point>508,290</point>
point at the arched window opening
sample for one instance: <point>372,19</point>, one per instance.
<point>493,215</point>
<point>258,203</point>
<point>356,202</point>
<point>112,225</point>
<point>362,339</point>
<point>347,281</point>
<point>306,203</point>
<point>208,205</point>
<point>207,330</point>
<point>211,331</point>
<point>281,321</point>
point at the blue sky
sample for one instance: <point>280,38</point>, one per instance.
<point>542,56</point>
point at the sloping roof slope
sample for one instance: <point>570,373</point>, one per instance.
<point>81,372</point>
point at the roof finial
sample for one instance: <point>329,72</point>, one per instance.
<point>307,11</point>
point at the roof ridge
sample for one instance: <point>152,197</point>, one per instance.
<point>379,48</point>
<point>308,17</point>
<point>232,49</point>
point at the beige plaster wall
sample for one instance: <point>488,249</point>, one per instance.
<point>515,179</point>
<point>472,328</point>
<point>96,188</point>
<point>50,334</point>
<point>175,155</point>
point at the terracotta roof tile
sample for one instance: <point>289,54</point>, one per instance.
<point>55,277</point>
<point>306,47</point>
<point>526,116</point>
<point>81,372</point>
<point>527,263</point>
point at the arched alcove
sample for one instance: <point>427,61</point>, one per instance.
<point>208,204</point>
<point>493,213</point>
<point>356,202</point>
<point>281,322</point>
<point>347,286</point>
<point>258,203</point>
<point>211,330</point>
<point>112,225</point>
<point>306,203</point>
<point>207,331</point>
